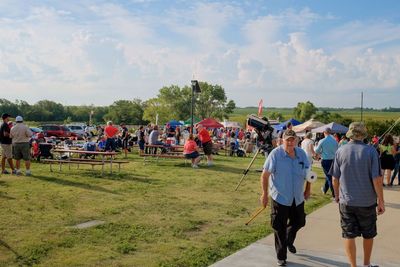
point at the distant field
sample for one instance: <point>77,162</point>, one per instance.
<point>240,114</point>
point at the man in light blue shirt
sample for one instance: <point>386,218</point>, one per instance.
<point>283,179</point>
<point>327,148</point>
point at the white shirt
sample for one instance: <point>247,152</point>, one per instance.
<point>305,145</point>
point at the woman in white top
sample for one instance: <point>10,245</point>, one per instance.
<point>308,146</point>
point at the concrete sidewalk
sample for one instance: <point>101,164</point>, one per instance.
<point>320,243</point>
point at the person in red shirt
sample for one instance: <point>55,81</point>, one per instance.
<point>190,151</point>
<point>206,142</point>
<point>110,132</point>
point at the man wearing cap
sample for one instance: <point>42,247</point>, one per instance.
<point>283,178</point>
<point>327,148</point>
<point>357,181</point>
<point>6,144</point>
<point>21,135</point>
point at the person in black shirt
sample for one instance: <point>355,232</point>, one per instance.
<point>6,144</point>
<point>125,138</point>
<point>141,140</point>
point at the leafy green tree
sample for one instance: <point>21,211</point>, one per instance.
<point>324,116</point>
<point>304,111</point>
<point>154,108</point>
<point>126,111</point>
<point>378,128</point>
<point>7,106</point>
<point>212,102</point>
<point>275,115</point>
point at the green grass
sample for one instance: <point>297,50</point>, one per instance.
<point>164,214</point>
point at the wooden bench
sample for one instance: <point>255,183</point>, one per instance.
<point>69,162</point>
<point>119,162</point>
<point>164,155</point>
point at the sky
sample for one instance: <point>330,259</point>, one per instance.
<point>282,51</point>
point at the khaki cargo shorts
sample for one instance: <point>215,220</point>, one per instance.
<point>6,150</point>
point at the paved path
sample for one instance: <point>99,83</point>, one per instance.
<point>319,243</point>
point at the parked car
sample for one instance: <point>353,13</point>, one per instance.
<point>59,131</point>
<point>79,130</point>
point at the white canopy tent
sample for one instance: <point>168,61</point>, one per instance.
<point>231,124</point>
<point>307,126</point>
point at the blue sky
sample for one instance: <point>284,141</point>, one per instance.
<point>285,52</point>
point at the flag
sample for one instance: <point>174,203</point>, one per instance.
<point>260,107</point>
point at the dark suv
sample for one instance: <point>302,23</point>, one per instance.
<point>56,130</point>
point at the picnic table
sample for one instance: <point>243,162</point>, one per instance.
<point>103,155</point>
<point>164,151</point>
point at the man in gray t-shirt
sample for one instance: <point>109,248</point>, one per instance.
<point>357,182</point>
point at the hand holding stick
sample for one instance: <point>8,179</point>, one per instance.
<point>255,215</point>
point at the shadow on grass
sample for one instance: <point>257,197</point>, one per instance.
<point>18,257</point>
<point>74,184</point>
<point>2,195</point>
<point>126,177</point>
<point>217,167</point>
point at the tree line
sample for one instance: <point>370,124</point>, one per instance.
<point>172,102</point>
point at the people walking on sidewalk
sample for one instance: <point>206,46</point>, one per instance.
<point>357,182</point>
<point>283,179</point>
<point>327,148</point>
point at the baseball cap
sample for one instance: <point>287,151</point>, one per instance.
<point>19,119</point>
<point>5,115</point>
<point>289,134</point>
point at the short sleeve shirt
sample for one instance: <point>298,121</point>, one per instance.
<point>110,131</point>
<point>189,147</point>
<point>5,128</point>
<point>286,182</point>
<point>204,136</point>
<point>356,165</point>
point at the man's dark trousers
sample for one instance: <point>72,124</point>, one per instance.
<point>326,166</point>
<point>286,221</point>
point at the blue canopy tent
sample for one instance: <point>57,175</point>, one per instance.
<point>282,126</point>
<point>174,123</point>
<point>335,127</point>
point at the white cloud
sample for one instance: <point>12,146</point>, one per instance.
<point>99,53</point>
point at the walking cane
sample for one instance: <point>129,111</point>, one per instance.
<point>255,215</point>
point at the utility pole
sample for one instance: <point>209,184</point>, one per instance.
<point>362,100</point>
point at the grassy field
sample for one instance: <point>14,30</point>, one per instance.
<point>164,214</point>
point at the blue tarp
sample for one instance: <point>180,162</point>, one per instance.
<point>282,126</point>
<point>335,127</point>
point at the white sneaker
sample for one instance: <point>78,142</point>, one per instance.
<point>28,173</point>
<point>210,163</point>
<point>18,172</point>
<point>195,166</point>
